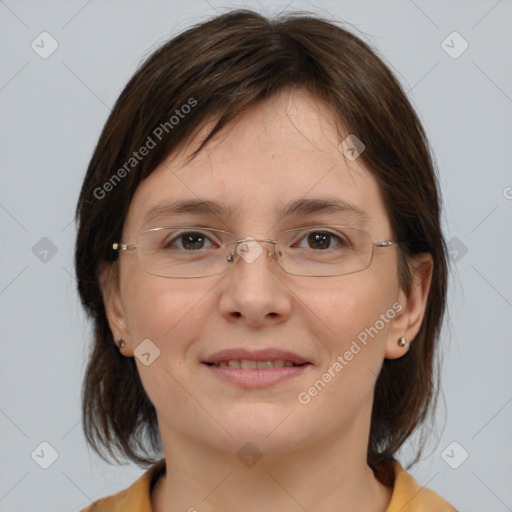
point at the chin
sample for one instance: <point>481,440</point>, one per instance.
<point>270,427</point>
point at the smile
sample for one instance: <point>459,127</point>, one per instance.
<point>248,364</point>
<point>252,374</point>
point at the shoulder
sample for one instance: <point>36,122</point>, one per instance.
<point>409,496</point>
<point>136,497</point>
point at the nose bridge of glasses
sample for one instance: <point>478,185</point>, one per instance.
<point>250,248</point>
<point>252,239</point>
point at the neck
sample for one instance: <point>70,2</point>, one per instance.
<point>327,476</point>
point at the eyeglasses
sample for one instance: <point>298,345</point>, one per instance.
<point>185,252</point>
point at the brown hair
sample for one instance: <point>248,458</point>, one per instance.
<point>222,67</point>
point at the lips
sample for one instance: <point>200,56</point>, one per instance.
<point>249,364</point>
<point>264,356</point>
<point>256,369</point>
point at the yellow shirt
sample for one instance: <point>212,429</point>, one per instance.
<point>408,495</point>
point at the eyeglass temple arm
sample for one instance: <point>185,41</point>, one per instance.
<point>123,247</point>
<point>385,243</point>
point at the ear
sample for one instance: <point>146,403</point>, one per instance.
<point>408,321</point>
<point>109,284</point>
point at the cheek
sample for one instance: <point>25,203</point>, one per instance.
<point>345,307</point>
<point>159,309</point>
<point>351,320</point>
<point>169,314</point>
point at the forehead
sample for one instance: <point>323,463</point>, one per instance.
<point>280,159</point>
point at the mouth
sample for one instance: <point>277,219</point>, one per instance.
<point>261,359</point>
<point>256,369</point>
<point>251,364</point>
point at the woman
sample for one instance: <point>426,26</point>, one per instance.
<point>260,250</point>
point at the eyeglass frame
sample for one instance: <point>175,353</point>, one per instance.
<point>120,247</point>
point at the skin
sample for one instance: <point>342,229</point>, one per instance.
<point>314,455</point>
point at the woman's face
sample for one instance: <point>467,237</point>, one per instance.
<point>283,150</point>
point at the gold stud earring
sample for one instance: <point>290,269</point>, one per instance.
<point>402,342</point>
<point>121,343</point>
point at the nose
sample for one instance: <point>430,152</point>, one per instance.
<point>255,292</point>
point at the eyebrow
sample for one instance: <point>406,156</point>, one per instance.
<point>298,207</point>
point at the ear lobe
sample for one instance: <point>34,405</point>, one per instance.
<point>408,322</point>
<point>114,308</point>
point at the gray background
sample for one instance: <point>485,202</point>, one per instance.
<point>52,111</point>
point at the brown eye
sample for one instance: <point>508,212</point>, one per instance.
<point>188,241</point>
<point>192,241</point>
<point>319,240</point>
<point>322,240</point>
